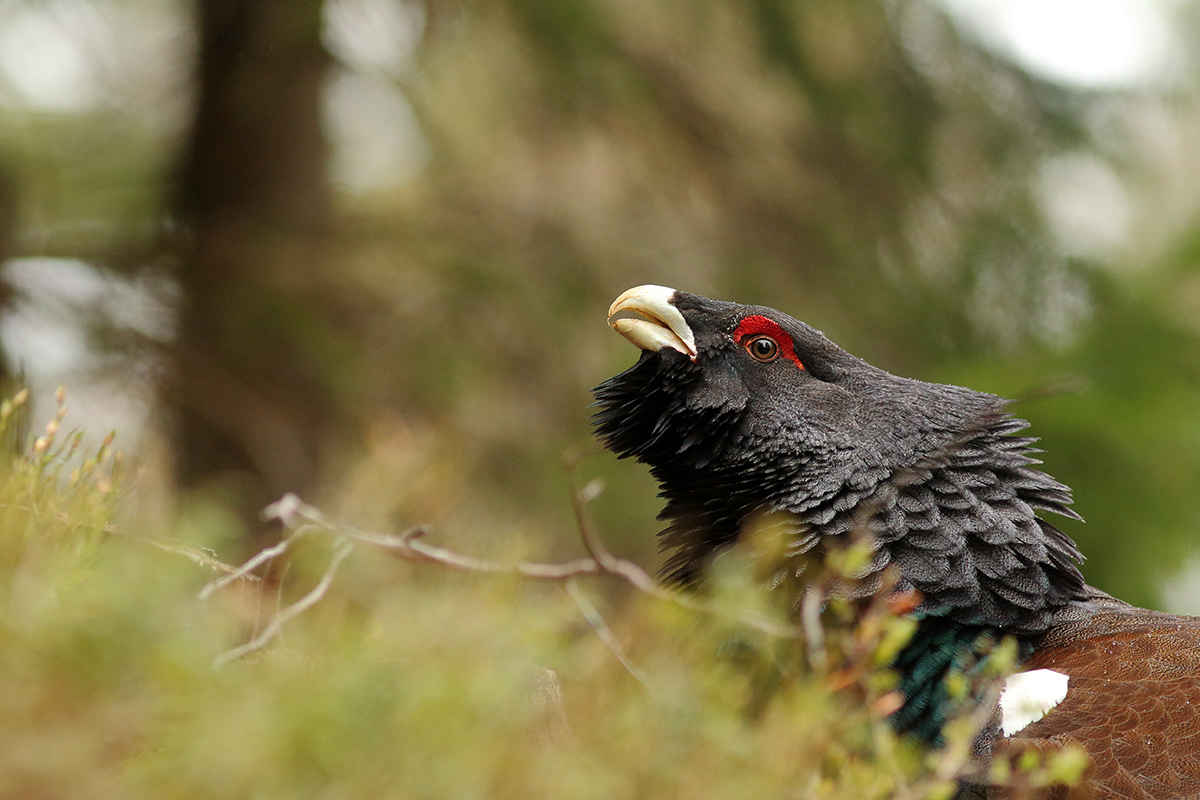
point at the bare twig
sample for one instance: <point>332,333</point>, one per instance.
<point>580,498</point>
<point>303,604</point>
<point>409,546</point>
<point>200,555</point>
<point>603,632</point>
<point>301,519</point>
<point>262,557</point>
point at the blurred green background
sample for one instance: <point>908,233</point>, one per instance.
<point>362,249</point>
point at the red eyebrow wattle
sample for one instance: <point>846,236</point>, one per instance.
<point>758,325</point>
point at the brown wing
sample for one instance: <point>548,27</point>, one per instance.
<point>1133,702</point>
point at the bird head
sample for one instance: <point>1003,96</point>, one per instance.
<point>767,402</point>
<point>741,410</point>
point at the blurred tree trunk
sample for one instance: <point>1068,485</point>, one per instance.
<point>252,403</point>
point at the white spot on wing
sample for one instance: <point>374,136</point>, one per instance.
<point>1027,696</point>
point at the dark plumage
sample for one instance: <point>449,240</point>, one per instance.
<point>742,410</point>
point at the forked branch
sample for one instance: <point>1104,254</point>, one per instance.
<point>301,519</point>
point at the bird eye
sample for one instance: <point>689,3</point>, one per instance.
<point>762,348</point>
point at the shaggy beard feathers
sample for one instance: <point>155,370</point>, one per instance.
<point>647,413</point>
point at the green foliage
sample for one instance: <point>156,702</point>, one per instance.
<point>409,682</point>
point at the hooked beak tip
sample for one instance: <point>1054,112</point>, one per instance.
<point>646,317</point>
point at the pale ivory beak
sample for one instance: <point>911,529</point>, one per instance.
<point>644,315</point>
